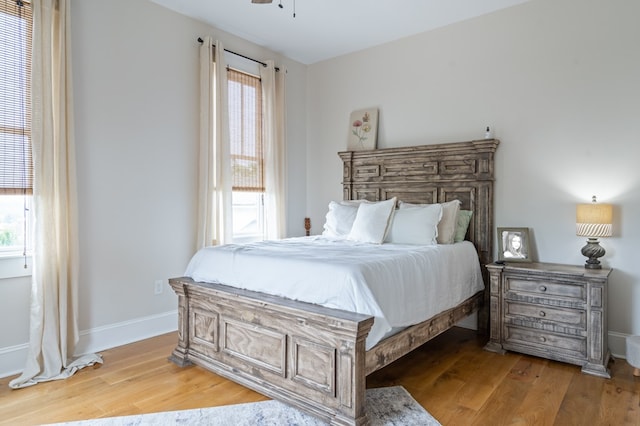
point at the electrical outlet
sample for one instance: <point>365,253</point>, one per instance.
<point>158,286</point>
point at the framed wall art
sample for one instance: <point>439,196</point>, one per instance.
<point>513,245</point>
<point>363,129</point>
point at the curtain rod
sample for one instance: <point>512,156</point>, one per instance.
<point>200,40</point>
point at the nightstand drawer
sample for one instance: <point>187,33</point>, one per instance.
<point>539,313</point>
<point>546,288</point>
<point>541,340</point>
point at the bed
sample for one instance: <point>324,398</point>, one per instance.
<point>317,357</point>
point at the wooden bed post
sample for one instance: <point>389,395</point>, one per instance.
<point>180,353</point>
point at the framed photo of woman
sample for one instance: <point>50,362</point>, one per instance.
<point>513,245</point>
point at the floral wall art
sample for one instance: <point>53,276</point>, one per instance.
<point>363,129</point>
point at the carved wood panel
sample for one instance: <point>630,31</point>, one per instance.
<point>239,339</point>
<point>204,331</point>
<point>313,365</point>
<point>404,169</point>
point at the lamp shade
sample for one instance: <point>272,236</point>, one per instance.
<point>594,220</point>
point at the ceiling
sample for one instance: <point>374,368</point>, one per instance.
<point>324,29</point>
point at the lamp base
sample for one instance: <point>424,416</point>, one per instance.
<point>593,250</point>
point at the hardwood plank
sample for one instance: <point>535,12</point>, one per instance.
<point>482,375</point>
<point>452,377</point>
<point>508,394</point>
<point>581,403</point>
<point>542,402</point>
<point>620,403</point>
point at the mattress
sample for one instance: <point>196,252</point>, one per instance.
<point>400,285</point>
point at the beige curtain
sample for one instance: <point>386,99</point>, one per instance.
<point>214,169</point>
<point>53,327</point>
<point>273,90</point>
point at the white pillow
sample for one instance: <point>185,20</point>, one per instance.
<point>447,225</point>
<point>339,219</point>
<point>415,225</point>
<point>372,221</point>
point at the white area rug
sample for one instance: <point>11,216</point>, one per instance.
<point>385,406</point>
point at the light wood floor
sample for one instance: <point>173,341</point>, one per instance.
<point>451,376</point>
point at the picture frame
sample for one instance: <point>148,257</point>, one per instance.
<point>513,245</point>
<point>363,129</point>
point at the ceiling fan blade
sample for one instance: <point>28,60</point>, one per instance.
<point>261,1</point>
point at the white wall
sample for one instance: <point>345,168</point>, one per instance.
<point>135,68</point>
<point>557,80</point>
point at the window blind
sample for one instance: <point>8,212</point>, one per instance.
<point>16,167</point>
<point>245,131</point>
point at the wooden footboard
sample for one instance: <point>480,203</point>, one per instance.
<point>302,354</point>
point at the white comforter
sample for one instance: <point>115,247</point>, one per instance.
<point>400,285</point>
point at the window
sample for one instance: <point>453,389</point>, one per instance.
<point>16,169</point>
<point>14,224</point>
<point>247,156</point>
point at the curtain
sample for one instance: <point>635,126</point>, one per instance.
<point>53,327</point>
<point>273,91</point>
<point>214,168</point>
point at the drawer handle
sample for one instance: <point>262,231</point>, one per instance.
<point>543,339</point>
<point>543,288</point>
<point>542,314</point>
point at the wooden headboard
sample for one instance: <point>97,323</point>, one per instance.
<point>430,174</point>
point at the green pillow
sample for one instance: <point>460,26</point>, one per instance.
<point>464,217</point>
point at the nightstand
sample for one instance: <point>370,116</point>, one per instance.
<point>552,311</point>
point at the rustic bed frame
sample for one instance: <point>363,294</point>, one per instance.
<point>314,357</point>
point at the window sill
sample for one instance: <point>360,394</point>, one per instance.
<point>12,266</point>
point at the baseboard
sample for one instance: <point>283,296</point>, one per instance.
<point>470,322</point>
<point>12,358</point>
<point>618,344</point>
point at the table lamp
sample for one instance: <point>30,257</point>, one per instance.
<point>592,221</point>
